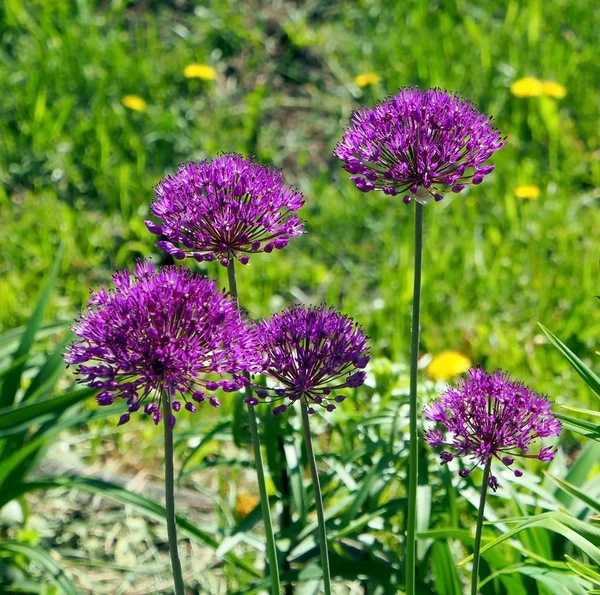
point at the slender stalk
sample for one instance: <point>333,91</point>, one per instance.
<point>170,497</point>
<point>477,546</point>
<point>413,458</point>
<point>318,498</point>
<point>258,463</point>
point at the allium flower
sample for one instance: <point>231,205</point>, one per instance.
<point>418,142</point>
<point>156,334</point>
<point>491,416</point>
<point>311,352</point>
<point>225,208</point>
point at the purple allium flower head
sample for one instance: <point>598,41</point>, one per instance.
<point>157,334</point>
<point>420,142</point>
<point>224,208</point>
<point>311,353</point>
<point>491,416</point>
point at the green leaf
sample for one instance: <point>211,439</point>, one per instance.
<point>585,428</point>
<point>12,381</point>
<point>143,505</point>
<point>583,570</point>
<point>572,490</point>
<point>47,374</point>
<point>43,561</point>
<point>588,376</point>
<point>560,523</point>
<point>445,575</point>
<point>11,417</point>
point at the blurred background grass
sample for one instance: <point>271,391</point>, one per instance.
<point>77,166</point>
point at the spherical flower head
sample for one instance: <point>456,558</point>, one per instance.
<point>155,335</point>
<point>225,208</point>
<point>418,142</point>
<point>310,354</point>
<point>490,416</point>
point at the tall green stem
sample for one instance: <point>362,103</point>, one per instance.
<point>477,546</point>
<point>413,458</point>
<point>318,498</point>
<point>258,463</point>
<point>170,497</point>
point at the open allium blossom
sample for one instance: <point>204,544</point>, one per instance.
<point>156,334</point>
<point>310,353</point>
<point>490,416</point>
<point>419,143</point>
<point>225,208</point>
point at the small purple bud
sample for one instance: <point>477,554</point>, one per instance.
<point>255,246</point>
<point>493,482</point>
<point>124,419</point>
<point>438,197</point>
<point>407,199</point>
<point>281,243</point>
<point>446,457</point>
<point>156,417</point>
<point>269,247</point>
<point>105,399</point>
<point>176,405</point>
<point>244,259</point>
<point>457,188</point>
<point>326,390</point>
<point>211,385</point>
<point>414,188</point>
<point>508,461</point>
<point>311,411</point>
<point>362,361</point>
<point>190,407</point>
<point>464,472</point>
<point>198,397</point>
<point>477,179</point>
<point>150,408</point>
<point>252,401</point>
<point>172,421</point>
<point>518,473</point>
<point>340,398</point>
<point>318,400</point>
<point>198,257</point>
<point>262,394</point>
<point>331,407</point>
<point>209,257</point>
<point>390,191</point>
<point>224,262</point>
<point>214,402</point>
<point>134,407</point>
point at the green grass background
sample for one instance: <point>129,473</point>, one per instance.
<point>77,167</point>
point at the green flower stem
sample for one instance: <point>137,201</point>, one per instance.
<point>170,497</point>
<point>413,459</point>
<point>477,545</point>
<point>258,463</point>
<point>318,498</point>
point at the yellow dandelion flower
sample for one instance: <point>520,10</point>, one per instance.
<point>553,89</point>
<point>527,192</point>
<point>133,102</point>
<point>203,72</point>
<point>447,365</point>
<point>527,87</point>
<point>366,79</point>
<point>245,504</point>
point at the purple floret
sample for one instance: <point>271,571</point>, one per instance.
<point>157,334</point>
<point>310,354</point>
<point>224,208</point>
<point>419,142</point>
<point>491,416</point>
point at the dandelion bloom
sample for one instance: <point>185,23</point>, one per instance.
<point>491,416</point>
<point>245,503</point>
<point>553,89</point>
<point>310,353</point>
<point>200,71</point>
<point>447,365</point>
<point>527,192</point>
<point>225,208</point>
<point>366,79</point>
<point>527,87</point>
<point>418,142</point>
<point>135,103</point>
<point>157,334</point>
